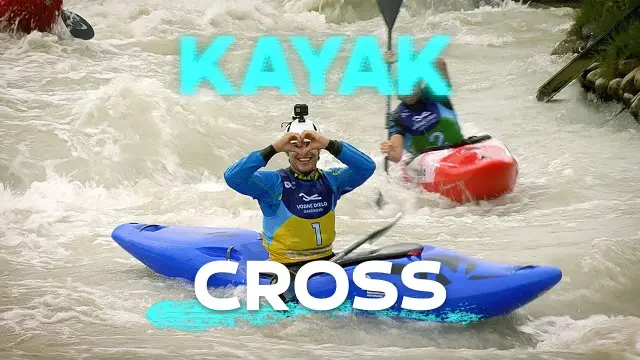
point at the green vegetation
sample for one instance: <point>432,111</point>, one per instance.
<point>600,15</point>
<point>624,46</point>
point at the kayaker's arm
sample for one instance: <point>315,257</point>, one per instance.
<point>427,93</point>
<point>359,167</point>
<point>244,177</point>
<point>396,133</point>
<point>442,66</point>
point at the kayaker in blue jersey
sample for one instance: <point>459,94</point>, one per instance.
<point>298,203</point>
<point>421,121</point>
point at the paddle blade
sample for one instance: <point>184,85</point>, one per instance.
<point>389,10</point>
<point>78,27</point>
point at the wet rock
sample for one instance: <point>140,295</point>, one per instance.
<point>601,86</point>
<point>587,32</point>
<point>546,4</point>
<point>583,82</point>
<point>582,79</point>
<point>637,80</point>
<point>627,66</point>
<point>628,83</point>
<point>593,66</point>
<point>565,46</point>
<point>634,109</point>
<point>593,77</point>
<point>580,46</point>
<point>627,99</point>
<point>613,88</point>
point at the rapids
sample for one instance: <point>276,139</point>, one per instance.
<point>95,133</point>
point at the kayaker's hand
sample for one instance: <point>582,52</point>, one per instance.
<point>442,66</point>
<point>317,141</point>
<point>289,142</point>
<point>389,57</point>
<point>386,147</point>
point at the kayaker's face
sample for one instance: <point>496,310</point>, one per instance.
<point>304,164</point>
<point>413,98</point>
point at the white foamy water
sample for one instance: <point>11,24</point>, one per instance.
<point>94,134</point>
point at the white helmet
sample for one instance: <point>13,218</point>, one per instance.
<point>299,123</point>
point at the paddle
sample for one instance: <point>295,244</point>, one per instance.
<point>370,238</point>
<point>78,27</point>
<point>389,10</point>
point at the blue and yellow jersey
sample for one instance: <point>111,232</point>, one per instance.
<point>299,213</point>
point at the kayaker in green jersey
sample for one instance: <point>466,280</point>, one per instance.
<point>422,120</point>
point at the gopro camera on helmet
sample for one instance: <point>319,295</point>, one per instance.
<point>300,111</point>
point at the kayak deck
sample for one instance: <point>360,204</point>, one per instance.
<point>480,170</point>
<point>484,288</point>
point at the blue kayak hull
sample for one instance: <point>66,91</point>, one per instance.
<point>473,286</point>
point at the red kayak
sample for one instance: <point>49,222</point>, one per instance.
<point>29,15</point>
<point>478,168</point>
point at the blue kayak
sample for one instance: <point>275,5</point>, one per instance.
<point>481,288</point>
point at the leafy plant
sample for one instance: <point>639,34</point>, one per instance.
<point>600,15</point>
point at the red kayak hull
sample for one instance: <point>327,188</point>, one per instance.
<point>480,171</point>
<point>29,15</point>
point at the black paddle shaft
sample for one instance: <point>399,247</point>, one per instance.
<point>388,117</point>
<point>389,10</point>
<point>369,239</point>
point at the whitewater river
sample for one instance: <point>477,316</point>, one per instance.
<point>95,134</point>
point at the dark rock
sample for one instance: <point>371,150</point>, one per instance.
<point>587,32</point>
<point>580,46</point>
<point>628,83</point>
<point>582,80</point>
<point>627,66</point>
<point>583,76</point>
<point>634,109</point>
<point>601,86</point>
<point>545,4</point>
<point>593,66</point>
<point>565,46</point>
<point>627,99</point>
<point>614,87</point>
<point>593,77</point>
